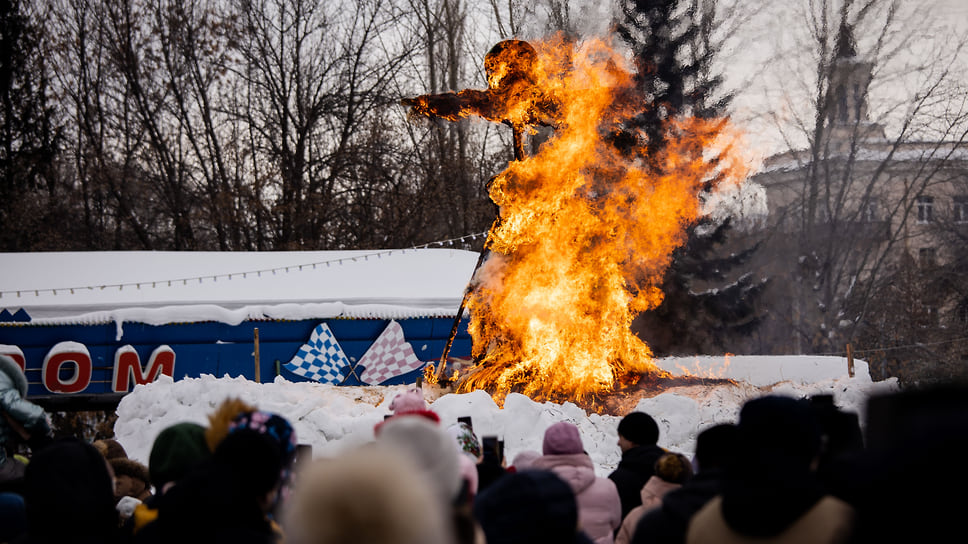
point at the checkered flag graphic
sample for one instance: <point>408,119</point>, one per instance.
<point>321,359</point>
<point>389,356</point>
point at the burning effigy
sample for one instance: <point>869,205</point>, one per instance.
<point>586,228</point>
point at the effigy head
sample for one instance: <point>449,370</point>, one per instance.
<point>509,61</point>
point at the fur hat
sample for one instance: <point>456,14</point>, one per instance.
<point>131,468</point>
<point>562,438</point>
<point>368,496</point>
<point>431,450</point>
<point>110,448</point>
<point>177,450</point>
<point>220,420</point>
<point>673,467</point>
<point>639,428</point>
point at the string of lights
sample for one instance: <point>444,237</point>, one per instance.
<point>13,293</point>
<point>893,348</point>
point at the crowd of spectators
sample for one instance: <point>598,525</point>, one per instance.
<point>787,470</point>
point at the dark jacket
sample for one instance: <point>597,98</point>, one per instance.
<point>69,495</point>
<point>219,500</point>
<point>633,471</point>
<point>668,523</point>
<point>207,507</point>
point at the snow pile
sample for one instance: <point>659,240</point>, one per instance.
<point>334,418</point>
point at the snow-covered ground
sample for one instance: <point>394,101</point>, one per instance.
<point>333,418</point>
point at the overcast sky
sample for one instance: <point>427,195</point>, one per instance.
<point>754,69</point>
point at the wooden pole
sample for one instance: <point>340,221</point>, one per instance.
<point>255,340</point>
<point>850,361</point>
<point>519,154</point>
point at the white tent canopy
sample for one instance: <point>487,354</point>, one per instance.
<point>160,287</point>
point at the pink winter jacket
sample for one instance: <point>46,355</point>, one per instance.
<point>599,508</point>
<point>652,493</point>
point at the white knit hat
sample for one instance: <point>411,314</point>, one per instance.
<point>430,448</point>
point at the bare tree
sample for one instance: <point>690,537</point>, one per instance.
<point>862,156</point>
<point>310,76</point>
<point>29,132</point>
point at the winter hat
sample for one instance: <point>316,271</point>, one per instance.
<point>467,441</point>
<point>176,451</point>
<point>69,494</point>
<point>253,459</point>
<point>715,445</point>
<point>673,467</point>
<point>562,438</point>
<point>524,460</point>
<point>528,507</point>
<point>780,426</point>
<point>639,428</point>
<point>771,483</point>
<point>411,400</point>
<point>429,448</point>
<point>409,403</point>
<point>274,426</point>
<point>368,496</point>
<point>280,434</point>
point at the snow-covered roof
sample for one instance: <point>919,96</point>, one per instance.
<point>874,152</point>
<point>158,287</point>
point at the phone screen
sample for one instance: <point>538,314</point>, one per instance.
<point>493,447</point>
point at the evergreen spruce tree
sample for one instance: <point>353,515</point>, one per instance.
<point>28,135</point>
<point>673,51</point>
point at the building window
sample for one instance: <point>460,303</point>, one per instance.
<point>963,312</point>
<point>869,213</point>
<point>927,256</point>
<point>925,209</point>
<point>960,211</point>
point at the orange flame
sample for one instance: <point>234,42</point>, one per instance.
<point>585,232</point>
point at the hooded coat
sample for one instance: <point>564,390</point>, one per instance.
<point>599,508</point>
<point>13,390</point>
<point>652,493</point>
<point>668,523</point>
<point>633,471</point>
<point>770,492</point>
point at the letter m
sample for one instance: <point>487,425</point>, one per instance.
<point>127,365</point>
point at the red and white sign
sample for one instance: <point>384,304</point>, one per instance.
<point>128,370</point>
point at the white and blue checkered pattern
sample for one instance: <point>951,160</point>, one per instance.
<point>321,359</point>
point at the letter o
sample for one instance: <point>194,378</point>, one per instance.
<point>82,372</point>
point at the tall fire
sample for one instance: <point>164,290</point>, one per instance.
<point>587,226</point>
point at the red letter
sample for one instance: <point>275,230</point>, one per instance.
<point>14,353</point>
<point>67,352</point>
<point>127,363</point>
